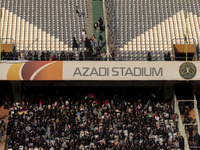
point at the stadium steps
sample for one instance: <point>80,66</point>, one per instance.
<point>97,7</point>
<point>89,19</point>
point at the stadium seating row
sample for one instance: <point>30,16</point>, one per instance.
<point>152,25</point>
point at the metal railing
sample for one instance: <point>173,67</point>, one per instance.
<point>180,123</point>
<point>196,114</point>
<point>197,123</point>
<point>7,41</point>
<point>75,58</point>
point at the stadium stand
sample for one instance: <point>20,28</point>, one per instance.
<point>136,27</point>
<point>154,105</point>
<point>93,124</point>
<point>42,25</point>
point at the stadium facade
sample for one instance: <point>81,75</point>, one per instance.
<point>142,41</point>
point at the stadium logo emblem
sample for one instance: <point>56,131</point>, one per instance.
<point>187,70</point>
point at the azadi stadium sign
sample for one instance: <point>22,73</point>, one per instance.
<point>100,70</point>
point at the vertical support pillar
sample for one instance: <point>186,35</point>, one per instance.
<point>16,90</point>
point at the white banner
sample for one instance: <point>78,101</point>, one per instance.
<point>134,70</point>
<point>100,70</point>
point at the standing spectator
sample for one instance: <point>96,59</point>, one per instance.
<point>42,57</point>
<point>169,56</point>
<point>78,13</point>
<point>182,144</point>
<point>100,41</point>
<point>80,56</point>
<point>1,134</point>
<point>84,35</point>
<point>2,54</point>
<point>94,41</point>
<point>97,26</point>
<point>149,56</point>
<point>101,23</point>
<point>87,43</point>
<point>165,56</point>
<point>14,51</point>
<point>75,45</point>
<point>113,55</point>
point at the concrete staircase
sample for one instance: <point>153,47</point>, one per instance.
<point>89,19</point>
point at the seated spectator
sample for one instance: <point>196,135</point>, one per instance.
<point>42,56</point>
<point>29,56</point>
<point>35,56</point>
<point>63,56</point>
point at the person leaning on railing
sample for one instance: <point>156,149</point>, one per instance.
<point>2,54</point>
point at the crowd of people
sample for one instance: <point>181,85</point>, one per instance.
<point>94,47</point>
<point>38,56</point>
<point>93,124</point>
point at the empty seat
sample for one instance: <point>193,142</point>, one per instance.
<point>42,24</point>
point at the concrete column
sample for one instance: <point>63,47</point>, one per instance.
<point>16,89</point>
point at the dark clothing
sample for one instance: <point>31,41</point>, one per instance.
<point>149,56</point>
<point>168,56</point>
<point>181,142</point>
<point>197,139</point>
<point>101,23</point>
<point>87,44</point>
<point>165,57</point>
<point>75,45</point>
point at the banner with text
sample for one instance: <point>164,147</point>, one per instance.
<point>98,70</point>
